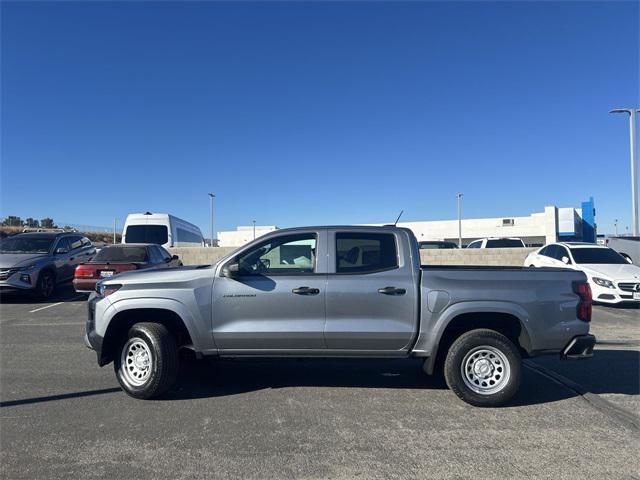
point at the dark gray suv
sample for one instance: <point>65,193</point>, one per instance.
<point>37,262</point>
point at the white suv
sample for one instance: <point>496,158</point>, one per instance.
<point>611,277</point>
<point>497,243</point>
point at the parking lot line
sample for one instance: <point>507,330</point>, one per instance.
<point>45,324</point>
<point>48,306</point>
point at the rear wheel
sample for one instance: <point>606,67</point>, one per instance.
<point>146,364</point>
<point>483,368</point>
<point>46,285</point>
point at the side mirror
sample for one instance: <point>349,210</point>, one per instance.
<point>565,260</point>
<point>175,257</point>
<point>61,251</point>
<point>230,270</point>
<point>627,258</point>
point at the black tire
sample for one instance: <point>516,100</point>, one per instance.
<point>46,285</point>
<point>152,341</point>
<point>479,349</point>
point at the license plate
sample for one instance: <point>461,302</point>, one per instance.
<point>106,273</point>
<point>636,295</point>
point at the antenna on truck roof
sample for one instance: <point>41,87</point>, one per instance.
<point>396,222</point>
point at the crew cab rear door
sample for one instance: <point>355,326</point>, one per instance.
<point>372,295</point>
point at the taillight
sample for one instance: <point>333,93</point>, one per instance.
<point>85,271</point>
<point>584,306</point>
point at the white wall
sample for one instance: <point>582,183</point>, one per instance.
<point>243,234</point>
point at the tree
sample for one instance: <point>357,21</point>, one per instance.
<point>47,223</point>
<point>13,221</point>
<point>32,223</point>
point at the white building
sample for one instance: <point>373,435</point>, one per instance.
<point>242,235</point>
<point>551,225</point>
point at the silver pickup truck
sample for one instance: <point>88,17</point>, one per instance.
<point>341,292</point>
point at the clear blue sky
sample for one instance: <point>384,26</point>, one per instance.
<point>312,113</point>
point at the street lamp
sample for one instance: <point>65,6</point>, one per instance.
<point>211,197</point>
<point>459,197</point>
<point>254,229</point>
<point>615,224</point>
<point>634,164</point>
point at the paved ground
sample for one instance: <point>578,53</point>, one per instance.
<point>63,417</point>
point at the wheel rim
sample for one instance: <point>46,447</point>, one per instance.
<point>136,361</point>
<point>485,370</point>
<point>46,285</point>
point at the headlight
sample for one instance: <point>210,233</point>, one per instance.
<point>603,282</point>
<point>106,290</point>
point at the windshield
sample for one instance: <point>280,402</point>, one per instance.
<point>504,243</point>
<point>597,255</point>
<point>121,254</point>
<point>157,234</point>
<point>436,245</point>
<point>26,245</point>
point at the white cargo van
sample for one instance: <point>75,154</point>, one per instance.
<point>161,229</point>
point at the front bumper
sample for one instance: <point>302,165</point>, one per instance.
<point>580,347</point>
<point>91,338</point>
<point>613,295</point>
<point>17,282</point>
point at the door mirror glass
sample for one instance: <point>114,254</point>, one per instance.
<point>230,270</point>
<point>175,257</point>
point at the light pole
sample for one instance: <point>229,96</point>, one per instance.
<point>459,197</point>
<point>211,197</point>
<point>254,229</point>
<point>615,224</point>
<point>114,230</point>
<point>634,164</point>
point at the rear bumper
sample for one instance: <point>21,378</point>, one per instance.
<point>580,347</point>
<point>84,286</point>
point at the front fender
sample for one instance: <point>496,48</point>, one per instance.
<point>198,328</point>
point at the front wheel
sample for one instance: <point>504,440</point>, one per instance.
<point>146,365</point>
<point>483,368</point>
<point>46,285</point>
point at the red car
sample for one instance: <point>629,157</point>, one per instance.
<point>115,259</point>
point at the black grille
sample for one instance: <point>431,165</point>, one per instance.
<point>629,287</point>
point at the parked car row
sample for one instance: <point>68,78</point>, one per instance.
<point>37,262</point>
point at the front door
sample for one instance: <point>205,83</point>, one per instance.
<point>372,295</point>
<point>276,300</point>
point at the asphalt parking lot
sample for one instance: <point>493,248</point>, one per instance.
<point>64,417</point>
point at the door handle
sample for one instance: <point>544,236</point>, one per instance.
<point>306,291</point>
<point>392,291</point>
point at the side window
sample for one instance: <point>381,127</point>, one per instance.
<point>545,251</point>
<point>154,254</point>
<point>63,243</point>
<point>365,252</point>
<point>554,252</point>
<point>76,242</point>
<point>562,252</point>
<point>163,253</point>
<point>187,236</point>
<point>86,242</point>
<point>289,254</point>
<point>475,244</point>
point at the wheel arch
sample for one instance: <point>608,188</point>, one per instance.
<point>124,319</point>
<point>505,319</point>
